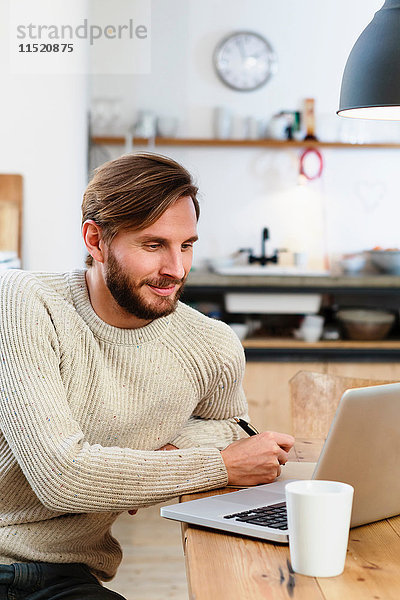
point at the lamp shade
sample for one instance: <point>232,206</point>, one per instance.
<point>371,79</point>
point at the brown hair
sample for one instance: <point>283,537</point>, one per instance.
<point>133,191</point>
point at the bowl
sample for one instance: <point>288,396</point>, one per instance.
<point>365,324</point>
<point>387,261</point>
<point>352,263</point>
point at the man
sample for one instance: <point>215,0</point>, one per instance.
<point>99,369</point>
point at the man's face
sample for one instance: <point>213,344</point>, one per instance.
<point>145,270</point>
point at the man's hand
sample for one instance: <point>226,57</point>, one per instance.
<point>256,459</point>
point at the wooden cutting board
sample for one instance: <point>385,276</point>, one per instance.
<point>11,213</point>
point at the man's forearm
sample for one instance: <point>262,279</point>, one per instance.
<point>216,433</point>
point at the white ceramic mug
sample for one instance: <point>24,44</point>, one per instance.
<point>300,259</point>
<point>312,321</point>
<point>145,125</point>
<point>167,126</point>
<point>311,328</point>
<point>222,123</point>
<point>310,334</point>
<point>318,521</point>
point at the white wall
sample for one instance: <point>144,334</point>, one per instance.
<point>44,137</point>
<point>42,121</point>
<point>353,206</point>
<point>311,38</point>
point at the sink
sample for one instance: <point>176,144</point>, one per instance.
<point>272,303</point>
<point>276,270</point>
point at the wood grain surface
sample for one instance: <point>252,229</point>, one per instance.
<point>11,213</point>
<point>221,566</point>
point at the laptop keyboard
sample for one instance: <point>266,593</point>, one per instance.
<point>273,515</point>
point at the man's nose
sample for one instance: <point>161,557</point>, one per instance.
<point>173,265</point>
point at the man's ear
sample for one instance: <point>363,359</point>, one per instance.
<point>92,236</point>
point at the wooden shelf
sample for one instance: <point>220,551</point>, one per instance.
<point>291,343</point>
<point>264,143</point>
<point>291,350</point>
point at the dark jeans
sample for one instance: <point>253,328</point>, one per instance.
<point>48,581</point>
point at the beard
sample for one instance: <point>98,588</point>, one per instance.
<point>128,294</point>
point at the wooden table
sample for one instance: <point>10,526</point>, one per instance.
<point>230,567</point>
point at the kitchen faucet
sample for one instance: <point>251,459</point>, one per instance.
<point>263,259</point>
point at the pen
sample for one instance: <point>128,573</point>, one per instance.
<point>247,427</point>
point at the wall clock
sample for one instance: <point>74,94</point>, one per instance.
<point>244,60</point>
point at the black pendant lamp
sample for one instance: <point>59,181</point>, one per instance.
<point>371,78</point>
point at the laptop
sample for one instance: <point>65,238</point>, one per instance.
<point>362,448</point>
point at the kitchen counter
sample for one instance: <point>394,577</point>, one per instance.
<point>371,290</point>
<point>364,283</point>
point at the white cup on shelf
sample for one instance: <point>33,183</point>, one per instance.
<point>167,126</point>
<point>310,334</point>
<point>222,123</point>
<point>145,125</point>
<point>318,521</point>
<point>311,328</point>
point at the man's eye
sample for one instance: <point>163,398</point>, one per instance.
<point>153,246</point>
<point>186,246</point>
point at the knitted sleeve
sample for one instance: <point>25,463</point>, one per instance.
<point>211,423</point>
<point>66,473</point>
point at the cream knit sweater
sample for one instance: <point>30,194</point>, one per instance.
<point>84,406</point>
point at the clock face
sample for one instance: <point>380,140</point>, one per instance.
<point>244,60</point>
